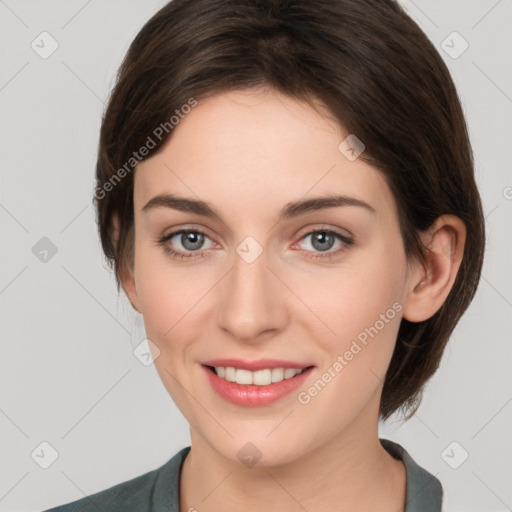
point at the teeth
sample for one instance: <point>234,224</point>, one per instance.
<point>243,377</point>
<point>259,377</point>
<point>277,374</point>
<point>290,372</point>
<point>230,374</point>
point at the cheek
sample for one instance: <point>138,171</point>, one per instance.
<point>359,309</point>
<point>363,311</point>
<point>354,297</point>
<point>355,304</point>
<point>170,296</point>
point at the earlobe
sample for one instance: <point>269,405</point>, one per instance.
<point>430,284</point>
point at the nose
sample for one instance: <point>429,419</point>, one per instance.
<point>252,301</point>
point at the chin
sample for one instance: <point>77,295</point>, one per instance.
<point>260,452</point>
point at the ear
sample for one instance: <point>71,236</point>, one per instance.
<point>430,284</point>
<point>126,271</point>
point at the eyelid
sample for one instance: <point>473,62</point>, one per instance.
<point>324,227</point>
<point>300,234</point>
<point>188,227</point>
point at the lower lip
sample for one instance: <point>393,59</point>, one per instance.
<point>251,395</point>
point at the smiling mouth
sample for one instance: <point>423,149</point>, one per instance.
<point>263,377</point>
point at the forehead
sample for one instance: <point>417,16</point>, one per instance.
<point>258,150</point>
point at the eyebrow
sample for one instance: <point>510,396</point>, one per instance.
<point>290,210</point>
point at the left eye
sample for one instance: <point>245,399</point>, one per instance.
<point>323,241</point>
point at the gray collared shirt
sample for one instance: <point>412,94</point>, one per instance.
<point>158,490</point>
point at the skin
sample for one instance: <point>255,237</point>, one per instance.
<point>248,154</point>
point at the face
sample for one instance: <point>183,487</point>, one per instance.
<point>316,288</point>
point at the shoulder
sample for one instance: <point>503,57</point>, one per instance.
<point>139,494</point>
<point>132,494</point>
<point>424,490</point>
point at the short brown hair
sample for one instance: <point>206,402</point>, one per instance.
<point>377,73</point>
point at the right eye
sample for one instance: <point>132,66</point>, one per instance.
<point>191,240</point>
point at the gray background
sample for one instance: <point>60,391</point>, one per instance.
<point>68,375</point>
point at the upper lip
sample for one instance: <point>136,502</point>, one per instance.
<point>260,364</point>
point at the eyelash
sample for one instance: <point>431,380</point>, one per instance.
<point>348,242</point>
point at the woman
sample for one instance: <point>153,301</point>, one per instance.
<point>285,191</point>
